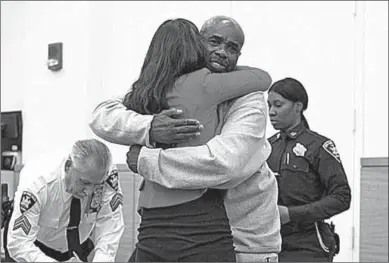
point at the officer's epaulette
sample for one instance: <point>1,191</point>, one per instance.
<point>37,182</point>
<point>274,138</point>
<point>318,136</point>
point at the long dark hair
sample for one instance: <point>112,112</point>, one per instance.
<point>292,89</point>
<point>177,48</point>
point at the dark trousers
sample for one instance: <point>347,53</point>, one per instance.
<point>303,256</point>
<point>221,255</point>
<point>304,245</point>
<point>196,231</point>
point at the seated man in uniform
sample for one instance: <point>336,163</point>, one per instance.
<point>57,208</point>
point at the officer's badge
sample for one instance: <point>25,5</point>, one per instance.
<point>27,201</point>
<point>97,197</point>
<point>112,180</point>
<point>299,149</point>
<point>116,200</point>
<point>329,146</point>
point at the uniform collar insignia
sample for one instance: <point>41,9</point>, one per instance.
<point>296,131</point>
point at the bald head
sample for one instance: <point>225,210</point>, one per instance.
<point>222,21</point>
<point>225,39</point>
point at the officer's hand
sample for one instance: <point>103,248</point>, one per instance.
<point>284,214</point>
<point>168,130</point>
<point>75,258</point>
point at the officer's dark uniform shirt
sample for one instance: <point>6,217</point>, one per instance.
<point>311,180</point>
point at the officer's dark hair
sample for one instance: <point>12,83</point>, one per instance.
<point>292,89</point>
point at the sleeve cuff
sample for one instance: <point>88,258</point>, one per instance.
<point>295,214</point>
<point>149,143</point>
<point>148,162</point>
<point>101,257</point>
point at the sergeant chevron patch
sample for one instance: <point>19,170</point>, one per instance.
<point>23,223</point>
<point>116,200</point>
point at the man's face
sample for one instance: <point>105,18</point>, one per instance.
<point>224,42</point>
<point>283,113</point>
<point>82,183</point>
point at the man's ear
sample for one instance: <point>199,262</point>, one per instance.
<point>68,164</point>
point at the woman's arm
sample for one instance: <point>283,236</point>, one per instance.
<point>225,86</point>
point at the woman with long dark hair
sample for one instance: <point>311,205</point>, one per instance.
<point>185,225</point>
<point>311,180</point>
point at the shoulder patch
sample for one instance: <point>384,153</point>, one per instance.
<point>330,147</point>
<point>116,200</point>
<point>112,180</point>
<point>27,201</point>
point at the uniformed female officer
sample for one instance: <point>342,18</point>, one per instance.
<point>311,180</point>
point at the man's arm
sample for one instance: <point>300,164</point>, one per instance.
<point>224,162</point>
<point>23,227</point>
<point>109,222</point>
<point>114,123</point>
<point>224,86</point>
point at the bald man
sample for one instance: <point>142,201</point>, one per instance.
<point>235,158</point>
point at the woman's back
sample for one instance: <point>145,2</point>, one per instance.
<point>199,93</point>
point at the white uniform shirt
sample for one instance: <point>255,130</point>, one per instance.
<point>42,211</point>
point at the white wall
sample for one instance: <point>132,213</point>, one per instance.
<point>337,52</point>
<point>371,94</point>
<point>376,80</point>
<point>12,55</point>
<point>53,104</point>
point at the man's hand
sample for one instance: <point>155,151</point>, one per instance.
<point>75,258</point>
<point>284,214</point>
<point>132,157</point>
<point>168,130</point>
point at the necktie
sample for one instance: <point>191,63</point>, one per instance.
<point>72,233</point>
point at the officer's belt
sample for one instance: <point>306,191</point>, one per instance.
<point>86,246</point>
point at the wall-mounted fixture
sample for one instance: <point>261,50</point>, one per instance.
<point>54,62</point>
